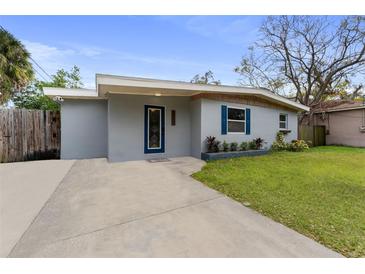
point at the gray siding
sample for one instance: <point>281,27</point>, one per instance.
<point>126,126</point>
<point>83,129</point>
<point>195,110</point>
<point>264,123</point>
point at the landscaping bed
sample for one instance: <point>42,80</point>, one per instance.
<point>231,154</point>
<point>320,192</point>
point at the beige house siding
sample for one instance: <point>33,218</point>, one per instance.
<point>343,127</point>
<point>241,99</point>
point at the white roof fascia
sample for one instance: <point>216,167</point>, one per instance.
<point>70,92</point>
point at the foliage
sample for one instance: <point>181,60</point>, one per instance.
<point>295,145</point>
<point>258,142</point>
<point>210,140</point>
<point>206,78</point>
<point>279,144</point>
<point>252,144</point>
<point>244,146</point>
<point>212,144</point>
<point>33,97</point>
<point>307,55</point>
<point>16,71</point>
<point>225,146</point>
<point>298,146</point>
<point>319,193</point>
<point>64,79</point>
<point>234,146</point>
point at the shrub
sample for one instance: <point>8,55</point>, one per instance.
<point>212,144</point>
<point>225,146</point>
<point>258,142</point>
<point>295,145</point>
<point>216,146</point>
<point>279,143</point>
<point>298,146</point>
<point>252,144</point>
<point>244,146</point>
<point>234,146</point>
<point>210,140</point>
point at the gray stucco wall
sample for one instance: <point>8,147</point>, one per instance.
<point>195,110</point>
<point>264,123</point>
<point>126,126</point>
<point>83,129</point>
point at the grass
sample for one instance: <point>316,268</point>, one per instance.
<point>319,193</point>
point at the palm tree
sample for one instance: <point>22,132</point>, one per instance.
<point>16,71</point>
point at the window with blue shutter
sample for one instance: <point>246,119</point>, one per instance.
<point>236,121</point>
<point>248,121</point>
<point>224,120</point>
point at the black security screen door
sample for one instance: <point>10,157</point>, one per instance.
<point>154,128</point>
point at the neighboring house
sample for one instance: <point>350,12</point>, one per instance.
<point>344,122</point>
<point>128,118</point>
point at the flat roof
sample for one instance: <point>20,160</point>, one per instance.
<point>81,93</point>
<point>115,84</point>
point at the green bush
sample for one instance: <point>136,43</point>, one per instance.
<point>234,146</point>
<point>225,146</point>
<point>279,143</point>
<point>244,146</point>
<point>298,146</point>
<point>295,145</point>
<point>252,145</point>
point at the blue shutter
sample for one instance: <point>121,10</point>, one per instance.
<point>224,120</point>
<point>248,121</point>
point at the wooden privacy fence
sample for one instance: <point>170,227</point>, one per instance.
<point>315,134</point>
<point>29,135</point>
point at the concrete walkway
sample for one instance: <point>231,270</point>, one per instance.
<point>143,209</point>
<point>24,189</point>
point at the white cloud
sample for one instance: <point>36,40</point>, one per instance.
<point>89,52</point>
<point>237,31</point>
<point>42,52</point>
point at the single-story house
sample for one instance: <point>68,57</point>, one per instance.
<point>128,118</point>
<point>344,122</point>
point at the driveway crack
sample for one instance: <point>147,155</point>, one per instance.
<point>136,219</point>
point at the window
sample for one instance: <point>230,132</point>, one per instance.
<point>236,120</point>
<point>173,117</point>
<point>283,121</point>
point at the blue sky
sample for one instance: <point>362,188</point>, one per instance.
<point>164,47</point>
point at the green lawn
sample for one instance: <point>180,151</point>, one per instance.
<point>320,193</point>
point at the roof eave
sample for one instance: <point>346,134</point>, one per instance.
<point>71,93</point>
<point>113,80</point>
<point>340,109</point>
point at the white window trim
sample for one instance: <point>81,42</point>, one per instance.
<point>286,121</point>
<point>232,120</point>
<point>148,128</point>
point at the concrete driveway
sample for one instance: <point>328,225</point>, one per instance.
<point>24,189</point>
<point>143,209</point>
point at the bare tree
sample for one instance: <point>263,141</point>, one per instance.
<point>206,78</point>
<point>307,58</point>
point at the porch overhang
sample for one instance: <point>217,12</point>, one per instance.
<point>112,84</point>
